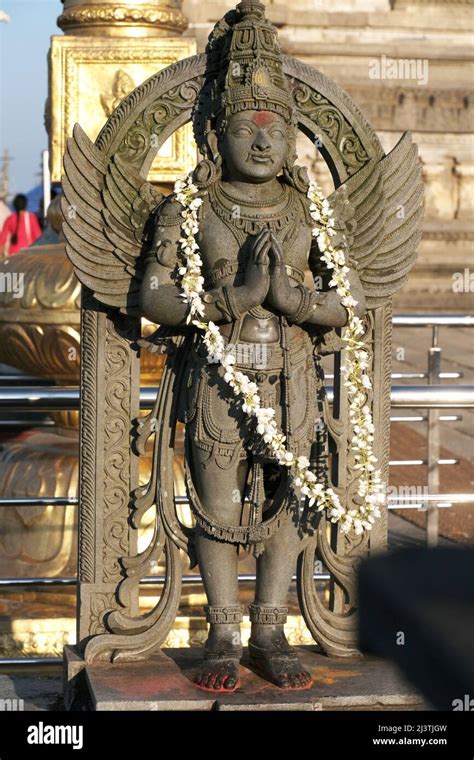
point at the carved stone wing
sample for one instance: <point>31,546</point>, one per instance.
<point>379,210</point>
<point>105,208</point>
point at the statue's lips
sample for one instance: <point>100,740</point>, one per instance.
<point>261,159</point>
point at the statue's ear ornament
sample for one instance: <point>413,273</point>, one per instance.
<point>207,172</point>
<point>297,176</point>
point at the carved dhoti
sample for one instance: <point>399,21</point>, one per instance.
<point>288,382</point>
<point>215,420</point>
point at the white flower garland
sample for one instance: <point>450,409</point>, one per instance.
<point>370,489</point>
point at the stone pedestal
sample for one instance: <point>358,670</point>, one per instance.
<point>164,682</point>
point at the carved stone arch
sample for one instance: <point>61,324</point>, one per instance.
<point>324,109</point>
<point>110,390</point>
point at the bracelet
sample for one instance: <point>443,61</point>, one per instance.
<point>310,300</point>
<point>229,295</point>
<point>152,255</point>
<point>225,301</point>
<point>162,254</point>
<point>298,315</point>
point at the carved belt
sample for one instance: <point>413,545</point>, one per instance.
<point>264,356</point>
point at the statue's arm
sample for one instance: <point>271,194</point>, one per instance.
<point>160,294</point>
<point>324,307</point>
<point>320,305</point>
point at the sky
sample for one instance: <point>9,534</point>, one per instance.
<point>24,45</point>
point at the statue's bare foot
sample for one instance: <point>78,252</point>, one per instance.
<point>218,674</point>
<point>275,660</point>
<point>219,670</point>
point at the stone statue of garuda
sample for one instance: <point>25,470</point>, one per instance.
<point>249,231</point>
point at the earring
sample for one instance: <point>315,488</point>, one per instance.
<point>298,177</point>
<point>206,173</point>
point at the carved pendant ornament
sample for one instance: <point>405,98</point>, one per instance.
<point>252,276</point>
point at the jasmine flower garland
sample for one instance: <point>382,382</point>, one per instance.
<point>370,490</point>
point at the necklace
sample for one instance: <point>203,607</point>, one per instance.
<point>256,204</point>
<point>242,222</point>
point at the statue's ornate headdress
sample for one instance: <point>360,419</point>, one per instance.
<point>244,71</point>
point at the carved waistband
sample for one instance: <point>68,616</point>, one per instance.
<point>264,356</point>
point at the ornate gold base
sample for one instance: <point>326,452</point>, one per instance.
<point>46,637</point>
<point>39,541</point>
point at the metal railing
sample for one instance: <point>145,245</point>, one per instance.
<point>432,397</point>
<point>433,375</point>
<point>402,397</point>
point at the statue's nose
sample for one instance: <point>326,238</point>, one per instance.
<point>261,141</point>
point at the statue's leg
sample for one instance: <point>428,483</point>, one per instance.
<point>269,650</point>
<point>221,494</point>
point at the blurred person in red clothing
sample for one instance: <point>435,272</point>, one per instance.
<point>20,229</point>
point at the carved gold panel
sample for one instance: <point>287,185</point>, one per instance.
<point>89,76</point>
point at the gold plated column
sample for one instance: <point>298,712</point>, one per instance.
<point>107,49</point>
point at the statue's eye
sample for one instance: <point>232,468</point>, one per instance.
<point>278,133</point>
<point>242,131</point>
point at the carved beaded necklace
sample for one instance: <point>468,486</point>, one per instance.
<point>242,221</point>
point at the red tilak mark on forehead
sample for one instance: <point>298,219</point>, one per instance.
<point>262,118</point>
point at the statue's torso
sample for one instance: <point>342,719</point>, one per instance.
<point>226,232</point>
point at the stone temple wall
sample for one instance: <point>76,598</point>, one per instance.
<point>409,65</point>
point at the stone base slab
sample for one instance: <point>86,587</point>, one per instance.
<point>164,682</point>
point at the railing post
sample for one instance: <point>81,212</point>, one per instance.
<point>434,368</point>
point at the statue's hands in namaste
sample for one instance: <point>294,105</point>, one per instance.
<point>257,273</point>
<point>281,294</point>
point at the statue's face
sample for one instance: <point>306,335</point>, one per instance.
<point>255,146</point>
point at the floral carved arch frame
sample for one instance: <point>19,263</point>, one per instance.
<point>109,625</point>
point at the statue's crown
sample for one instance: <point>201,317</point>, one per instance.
<point>244,69</point>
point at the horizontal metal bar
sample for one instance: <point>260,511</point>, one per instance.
<point>39,501</point>
<point>413,462</point>
<point>441,497</point>
<point>409,375</point>
<point>432,396</point>
<point>59,501</point>
<point>419,506</point>
<point>402,396</point>
<point>151,580</point>
<point>423,375</point>
<point>413,376</point>
<point>423,418</point>
<point>433,320</point>
<point>29,423</point>
<point>36,582</point>
<point>5,661</point>
<point>39,399</point>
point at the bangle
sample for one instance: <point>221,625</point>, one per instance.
<point>231,303</point>
<point>298,315</point>
<point>224,299</point>
<point>151,255</point>
<point>310,300</point>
